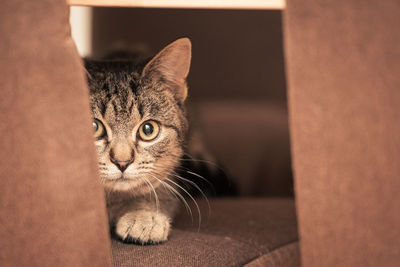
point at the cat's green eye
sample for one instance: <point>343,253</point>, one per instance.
<point>149,130</point>
<point>98,129</point>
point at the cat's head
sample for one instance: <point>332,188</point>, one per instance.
<point>138,117</point>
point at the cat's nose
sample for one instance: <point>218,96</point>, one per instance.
<point>122,164</point>
<point>121,156</point>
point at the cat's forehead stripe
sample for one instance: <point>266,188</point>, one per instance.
<point>123,100</point>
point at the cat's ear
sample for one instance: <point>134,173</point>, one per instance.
<point>172,63</point>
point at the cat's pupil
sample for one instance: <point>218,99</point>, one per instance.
<point>148,128</point>
<point>95,126</point>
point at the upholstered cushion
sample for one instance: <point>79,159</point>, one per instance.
<point>235,233</point>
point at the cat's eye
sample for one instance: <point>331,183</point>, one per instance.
<point>98,129</point>
<point>149,130</point>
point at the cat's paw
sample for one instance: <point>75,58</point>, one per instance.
<point>144,227</point>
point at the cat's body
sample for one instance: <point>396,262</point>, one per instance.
<point>140,128</point>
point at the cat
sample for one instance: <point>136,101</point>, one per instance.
<point>140,128</point>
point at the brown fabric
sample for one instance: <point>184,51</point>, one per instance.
<point>343,61</point>
<point>236,232</point>
<point>52,205</point>
<point>286,256</point>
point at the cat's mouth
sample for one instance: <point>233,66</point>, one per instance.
<point>123,178</point>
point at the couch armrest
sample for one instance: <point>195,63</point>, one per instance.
<point>52,207</point>
<point>343,62</point>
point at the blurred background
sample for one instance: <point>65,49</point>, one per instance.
<point>237,83</point>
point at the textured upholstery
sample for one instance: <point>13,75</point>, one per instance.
<point>343,60</point>
<point>237,232</point>
<point>52,207</point>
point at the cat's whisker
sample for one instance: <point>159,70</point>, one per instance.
<point>198,188</point>
<point>191,197</point>
<point>195,174</point>
<point>175,193</point>
<point>193,159</point>
<point>155,194</point>
<point>140,176</point>
<point>147,184</point>
<point>145,168</point>
<point>181,168</point>
<point>204,161</point>
<point>204,179</point>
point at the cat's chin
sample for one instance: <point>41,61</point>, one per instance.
<point>123,184</point>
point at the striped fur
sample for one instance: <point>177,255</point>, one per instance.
<point>141,199</point>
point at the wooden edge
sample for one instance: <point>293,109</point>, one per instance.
<point>190,4</point>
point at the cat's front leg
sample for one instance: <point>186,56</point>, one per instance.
<point>144,220</point>
<point>143,226</point>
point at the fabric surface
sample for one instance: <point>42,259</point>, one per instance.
<point>51,203</point>
<point>286,256</point>
<point>343,60</point>
<point>236,232</point>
